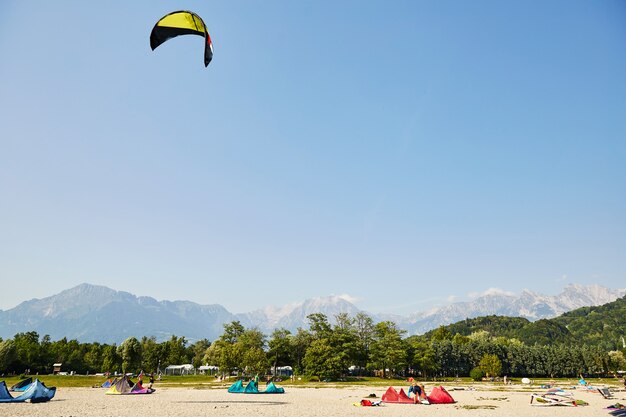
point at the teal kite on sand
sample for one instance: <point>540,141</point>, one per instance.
<point>252,388</point>
<point>273,389</point>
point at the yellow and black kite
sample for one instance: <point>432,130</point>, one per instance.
<point>178,23</point>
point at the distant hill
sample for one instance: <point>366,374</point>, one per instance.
<point>92,313</point>
<point>496,326</point>
<point>603,326</point>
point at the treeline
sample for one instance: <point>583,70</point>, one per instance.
<point>351,345</point>
<point>459,355</point>
<point>28,352</point>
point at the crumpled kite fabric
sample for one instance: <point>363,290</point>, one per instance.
<point>178,23</point>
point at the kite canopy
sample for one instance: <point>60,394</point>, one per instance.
<point>36,392</point>
<point>237,387</point>
<point>252,388</point>
<point>22,385</point>
<point>178,23</point>
<point>439,395</point>
<point>273,389</point>
<point>5,395</point>
<point>108,383</point>
<point>395,397</point>
<point>125,386</point>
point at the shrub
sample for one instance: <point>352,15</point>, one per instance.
<point>477,374</point>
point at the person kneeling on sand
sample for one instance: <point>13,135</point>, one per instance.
<point>419,391</point>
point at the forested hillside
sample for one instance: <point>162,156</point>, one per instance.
<point>601,326</point>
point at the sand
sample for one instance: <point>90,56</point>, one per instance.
<point>298,402</point>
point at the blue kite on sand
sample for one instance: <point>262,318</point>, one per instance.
<point>36,392</point>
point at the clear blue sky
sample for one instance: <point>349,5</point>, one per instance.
<point>401,152</point>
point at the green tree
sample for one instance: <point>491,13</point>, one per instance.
<point>238,349</point>
<point>28,352</point>
<point>280,348</point>
<point>300,345</point>
<point>364,326</point>
<point>250,352</point>
<point>344,341</point>
<point>46,353</point>
<point>74,357</point>
<point>617,361</point>
<point>198,349</point>
<point>111,361</point>
<point>8,355</point>
<point>227,352</point>
<point>320,360</point>
<point>424,357</point>
<point>219,354</point>
<point>490,365</point>
<point>252,338</point>
<point>93,357</point>
<point>388,350</point>
<point>459,339</point>
<point>318,323</point>
<point>177,351</point>
<point>151,355</point>
<point>232,332</point>
<point>130,353</point>
<point>255,361</point>
<point>441,333</point>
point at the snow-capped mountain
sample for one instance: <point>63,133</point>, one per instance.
<point>528,304</point>
<point>96,313</point>
<point>294,315</point>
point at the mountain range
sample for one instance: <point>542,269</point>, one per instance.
<point>528,304</point>
<point>92,313</point>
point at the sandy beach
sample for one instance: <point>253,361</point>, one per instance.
<point>183,402</point>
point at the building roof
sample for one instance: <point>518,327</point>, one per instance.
<point>207,367</point>
<point>185,366</point>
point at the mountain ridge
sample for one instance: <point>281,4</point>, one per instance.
<point>95,313</point>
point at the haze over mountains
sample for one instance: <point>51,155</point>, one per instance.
<point>92,313</point>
